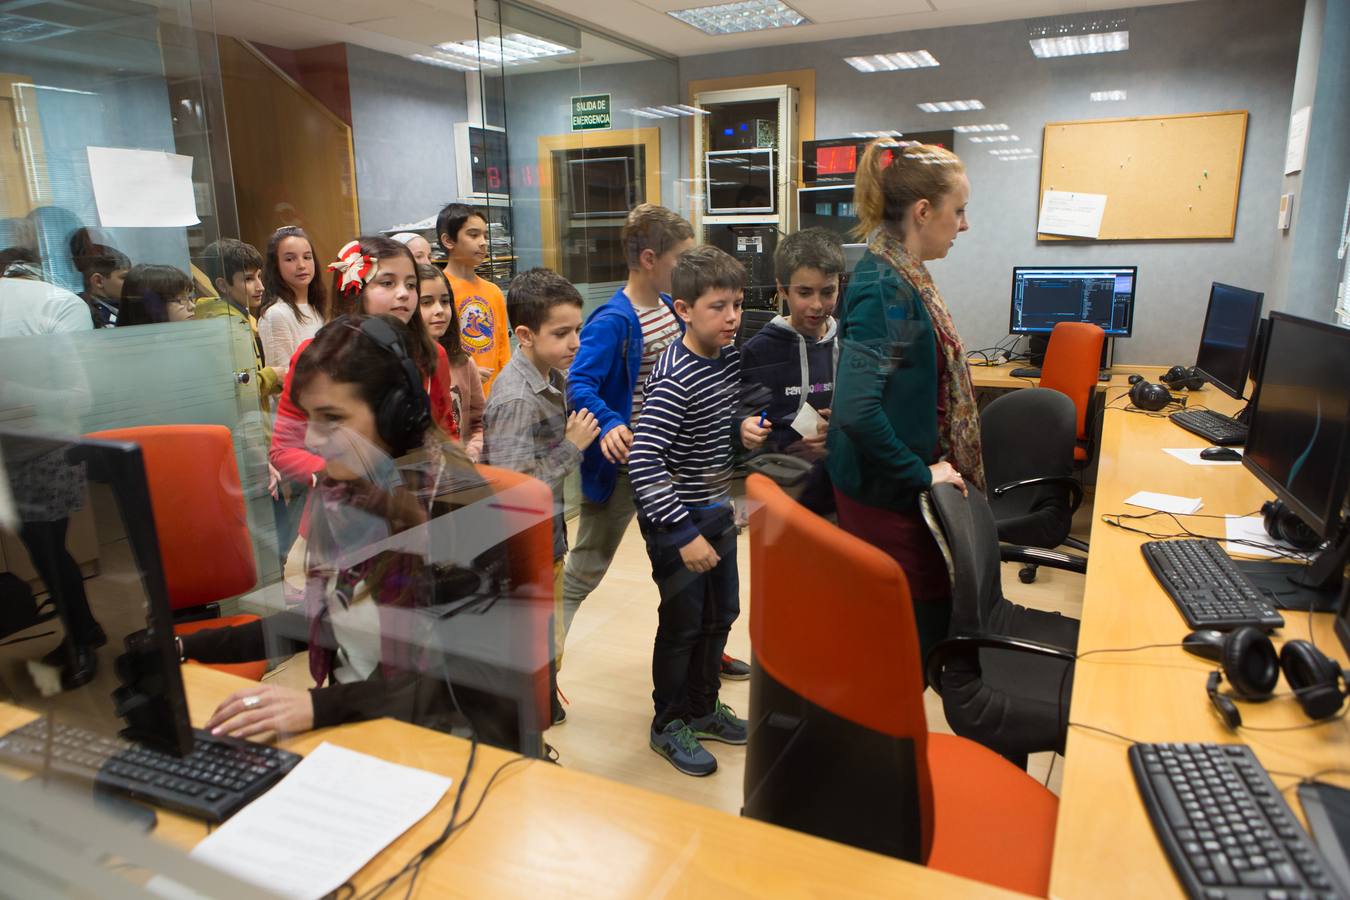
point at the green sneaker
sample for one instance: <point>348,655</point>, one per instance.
<point>722,724</point>
<point>677,743</point>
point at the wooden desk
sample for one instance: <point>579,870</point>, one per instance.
<point>548,831</point>
<point>1104,843</point>
<point>1000,377</point>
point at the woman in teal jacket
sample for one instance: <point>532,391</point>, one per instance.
<point>904,416</point>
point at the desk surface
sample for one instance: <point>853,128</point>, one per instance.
<point>1104,843</point>
<point>548,831</point>
<point>1001,376</point>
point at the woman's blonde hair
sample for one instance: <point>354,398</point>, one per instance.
<point>892,178</point>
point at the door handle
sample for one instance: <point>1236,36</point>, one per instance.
<point>242,376</point>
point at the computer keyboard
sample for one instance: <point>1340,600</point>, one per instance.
<point>1226,829</point>
<point>1207,587</point>
<point>1213,427</point>
<point>217,779</point>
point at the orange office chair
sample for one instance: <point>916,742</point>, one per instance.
<point>839,743</point>
<point>198,505</point>
<point>1072,361</point>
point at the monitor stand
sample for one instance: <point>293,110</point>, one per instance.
<point>1314,586</point>
<point>1108,353</point>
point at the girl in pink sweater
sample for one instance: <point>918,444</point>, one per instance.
<point>466,384</point>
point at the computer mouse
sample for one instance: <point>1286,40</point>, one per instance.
<point>1135,379</point>
<point>1220,454</point>
<point>1206,644</point>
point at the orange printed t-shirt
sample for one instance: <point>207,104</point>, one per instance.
<point>484,328</point>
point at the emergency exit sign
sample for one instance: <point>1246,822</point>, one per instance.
<point>591,112</point>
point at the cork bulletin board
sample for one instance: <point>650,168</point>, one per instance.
<point>1165,177</point>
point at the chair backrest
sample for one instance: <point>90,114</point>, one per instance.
<point>1030,433</point>
<point>967,535</point>
<point>529,504</point>
<point>198,505</point>
<point>1072,361</point>
<point>835,667</point>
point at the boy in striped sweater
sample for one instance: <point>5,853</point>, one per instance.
<point>680,467</point>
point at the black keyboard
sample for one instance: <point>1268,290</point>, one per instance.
<point>1213,427</point>
<point>217,779</point>
<point>1207,587</point>
<point>1225,827</point>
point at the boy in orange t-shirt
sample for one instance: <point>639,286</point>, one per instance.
<point>484,329</point>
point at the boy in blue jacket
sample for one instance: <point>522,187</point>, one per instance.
<point>620,344</point>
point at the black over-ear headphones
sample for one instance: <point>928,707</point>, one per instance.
<point>1183,378</point>
<point>1283,524</point>
<point>404,412</point>
<point>1253,668</point>
<point>1150,396</point>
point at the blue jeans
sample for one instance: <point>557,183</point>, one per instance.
<point>694,618</point>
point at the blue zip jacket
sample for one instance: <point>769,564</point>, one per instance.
<point>601,380</point>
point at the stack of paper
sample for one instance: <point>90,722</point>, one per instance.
<point>1167,503</point>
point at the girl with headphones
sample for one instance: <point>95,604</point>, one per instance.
<point>388,470</point>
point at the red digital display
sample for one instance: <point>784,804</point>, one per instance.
<point>837,160</point>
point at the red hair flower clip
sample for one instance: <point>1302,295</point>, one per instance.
<point>357,269</point>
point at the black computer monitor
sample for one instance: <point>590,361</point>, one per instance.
<point>1044,296</point>
<point>1299,434</point>
<point>1228,339</point>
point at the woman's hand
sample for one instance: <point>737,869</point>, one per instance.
<point>261,708</point>
<point>944,473</point>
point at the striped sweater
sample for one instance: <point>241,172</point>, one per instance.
<point>682,446</point>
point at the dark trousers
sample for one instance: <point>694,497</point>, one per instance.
<point>46,543</point>
<point>694,618</point>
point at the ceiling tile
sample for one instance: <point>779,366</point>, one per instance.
<point>835,11</point>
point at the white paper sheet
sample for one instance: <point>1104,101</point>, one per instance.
<point>808,421</point>
<point>1296,150</point>
<point>142,188</point>
<point>1191,455</point>
<point>1165,502</point>
<point>1073,214</point>
<point>321,823</point>
<point>1250,528</point>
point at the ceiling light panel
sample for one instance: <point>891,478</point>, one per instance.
<point>507,50</point>
<point>1106,96</point>
<point>994,139</point>
<point>1070,37</point>
<point>992,126</point>
<point>893,62</point>
<point>446,62</point>
<point>950,105</point>
<point>734,18</point>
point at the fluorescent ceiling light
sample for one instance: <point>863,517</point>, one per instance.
<point>667,112</point>
<point>994,139</point>
<point>1014,151</point>
<point>876,134</point>
<point>967,129</point>
<point>507,50</point>
<point>733,18</point>
<point>893,62</point>
<point>1106,96</point>
<point>1069,37</point>
<point>446,62</point>
<point>950,105</point>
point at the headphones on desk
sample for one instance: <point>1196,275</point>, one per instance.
<point>1283,524</point>
<point>1183,378</point>
<point>1251,665</point>
<point>1149,396</point>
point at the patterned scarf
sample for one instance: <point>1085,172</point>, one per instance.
<point>959,435</point>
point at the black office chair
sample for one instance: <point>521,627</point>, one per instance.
<point>1028,437</point>
<point>1005,673</point>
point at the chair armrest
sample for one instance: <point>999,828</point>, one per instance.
<point>966,644</point>
<point>1072,483</point>
<point>1039,557</point>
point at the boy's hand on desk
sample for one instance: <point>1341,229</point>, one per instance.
<point>616,443</point>
<point>581,428</point>
<point>752,433</point>
<point>261,708</point>
<point>699,555</point>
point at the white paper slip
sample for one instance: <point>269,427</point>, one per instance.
<point>1191,456</point>
<point>808,421</point>
<point>321,823</point>
<point>142,188</point>
<point>1251,528</point>
<point>1073,214</point>
<point>1169,503</point>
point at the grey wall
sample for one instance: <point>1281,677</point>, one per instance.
<point>403,118</point>
<point>1190,57</point>
<point>541,105</point>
